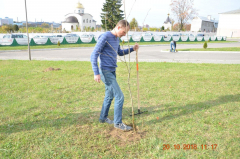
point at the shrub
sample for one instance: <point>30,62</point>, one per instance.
<point>58,43</point>
<point>205,45</point>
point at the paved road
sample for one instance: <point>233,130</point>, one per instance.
<point>146,53</point>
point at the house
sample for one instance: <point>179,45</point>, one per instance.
<point>167,24</point>
<point>78,19</point>
<point>204,24</point>
<point>229,24</point>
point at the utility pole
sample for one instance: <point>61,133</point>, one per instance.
<point>29,51</point>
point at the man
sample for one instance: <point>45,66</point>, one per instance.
<point>107,48</point>
<point>174,45</point>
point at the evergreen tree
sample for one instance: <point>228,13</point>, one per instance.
<point>15,27</point>
<point>205,45</point>
<point>112,12</point>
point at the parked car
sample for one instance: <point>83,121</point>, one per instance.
<point>42,39</point>
<point>8,39</point>
<point>136,36</point>
<point>147,36</point>
<point>71,35</point>
<point>175,35</point>
<point>126,38</point>
<point>201,35</point>
<point>87,37</point>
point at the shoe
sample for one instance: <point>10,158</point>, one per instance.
<point>123,127</point>
<point>106,121</point>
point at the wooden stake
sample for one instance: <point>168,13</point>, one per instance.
<point>137,80</point>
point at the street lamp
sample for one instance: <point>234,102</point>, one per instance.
<point>29,52</point>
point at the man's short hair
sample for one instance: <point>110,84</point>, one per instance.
<point>123,23</point>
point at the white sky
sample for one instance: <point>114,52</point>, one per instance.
<point>55,10</point>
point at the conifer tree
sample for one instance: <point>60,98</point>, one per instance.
<point>112,12</point>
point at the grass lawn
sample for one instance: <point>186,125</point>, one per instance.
<point>92,45</point>
<point>55,114</point>
<point>213,49</point>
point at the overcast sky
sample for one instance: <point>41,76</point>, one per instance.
<point>55,10</point>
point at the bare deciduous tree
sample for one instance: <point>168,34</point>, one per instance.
<point>183,10</point>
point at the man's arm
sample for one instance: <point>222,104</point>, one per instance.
<point>95,54</point>
<point>126,51</point>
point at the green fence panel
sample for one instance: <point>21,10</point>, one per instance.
<point>64,41</point>
<point>93,41</point>
<point>79,41</point>
<point>48,42</point>
<point>142,40</point>
<point>152,40</point>
<point>131,40</point>
<point>14,43</point>
<point>180,39</point>
<point>169,40</point>
<point>162,39</point>
<point>32,43</point>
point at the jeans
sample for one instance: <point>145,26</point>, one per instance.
<point>112,90</point>
<point>172,45</point>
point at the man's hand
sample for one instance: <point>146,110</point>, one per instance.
<point>97,78</point>
<point>136,47</point>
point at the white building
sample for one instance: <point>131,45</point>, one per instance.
<point>204,24</point>
<point>229,24</point>
<point>7,21</point>
<point>78,19</point>
<point>167,24</point>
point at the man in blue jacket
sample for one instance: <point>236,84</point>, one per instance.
<point>107,49</point>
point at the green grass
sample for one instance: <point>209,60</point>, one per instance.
<point>55,114</point>
<point>92,45</point>
<point>213,49</point>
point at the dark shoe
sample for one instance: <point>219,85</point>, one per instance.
<point>106,121</point>
<point>123,127</point>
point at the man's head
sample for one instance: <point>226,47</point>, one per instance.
<point>122,28</point>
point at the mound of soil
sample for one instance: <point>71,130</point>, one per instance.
<point>51,69</point>
<point>126,137</point>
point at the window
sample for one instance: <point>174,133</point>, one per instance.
<point>78,11</point>
<point>83,20</point>
<point>89,21</point>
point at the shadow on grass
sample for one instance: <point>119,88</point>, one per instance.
<point>191,108</point>
<point>91,117</point>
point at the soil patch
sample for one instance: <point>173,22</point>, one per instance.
<point>51,69</point>
<point>128,137</point>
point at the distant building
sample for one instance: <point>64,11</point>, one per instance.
<point>35,24</point>
<point>78,19</point>
<point>204,24</point>
<point>146,26</point>
<point>167,24</point>
<point>229,24</point>
<point>6,21</point>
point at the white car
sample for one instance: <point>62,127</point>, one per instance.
<point>87,37</point>
<point>147,36</point>
<point>40,39</point>
<point>8,39</point>
<point>126,38</point>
